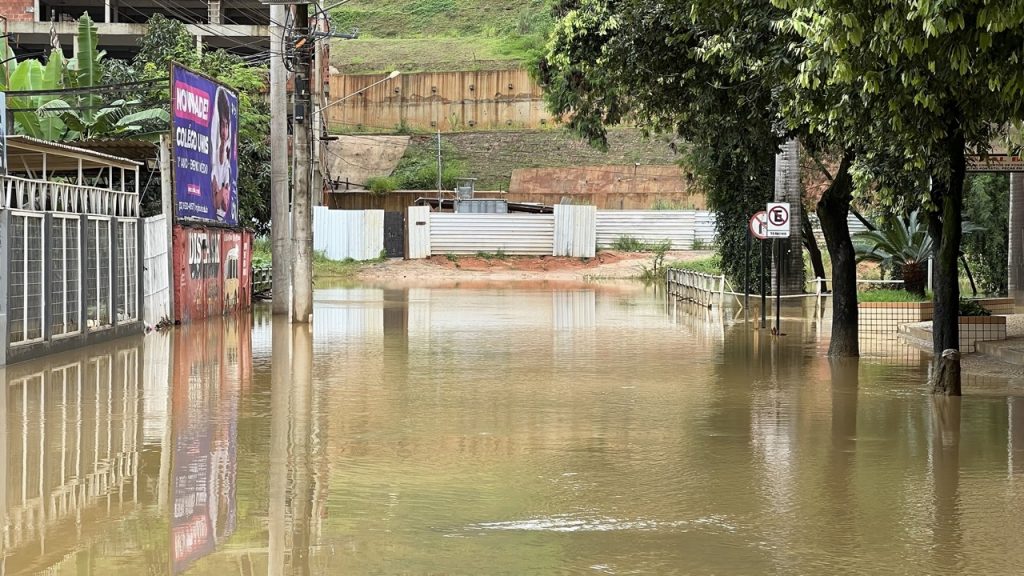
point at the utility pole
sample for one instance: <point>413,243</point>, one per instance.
<point>439,168</point>
<point>302,215</point>
<point>280,244</point>
<point>317,120</point>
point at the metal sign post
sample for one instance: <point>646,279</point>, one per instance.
<point>778,227</point>
<point>756,227</point>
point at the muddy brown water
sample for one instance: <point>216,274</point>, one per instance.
<point>504,431</point>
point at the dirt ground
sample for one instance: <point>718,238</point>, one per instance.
<point>438,270</point>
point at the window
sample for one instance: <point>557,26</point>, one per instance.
<point>65,280</point>
<point>98,279</point>
<point>25,268</point>
<point>127,271</point>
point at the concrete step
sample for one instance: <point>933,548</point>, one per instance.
<point>1010,350</point>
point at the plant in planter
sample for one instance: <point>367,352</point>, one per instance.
<point>903,244</point>
<point>973,308</point>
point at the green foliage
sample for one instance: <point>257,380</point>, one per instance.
<point>711,265</point>
<point>887,295</point>
<point>985,201</point>
<point>438,34</point>
<point>902,244</point>
<point>973,308</point>
<point>417,170</point>
<point>381,185</point>
<point>499,255</point>
<point>657,268</point>
<point>77,115</point>
<point>627,243</point>
<point>261,252</point>
<point>454,258</point>
<point>168,40</point>
<point>662,204</point>
<point>324,267</point>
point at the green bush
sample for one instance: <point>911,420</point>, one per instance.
<point>710,265</point>
<point>889,295</point>
<point>381,185</point>
<point>973,308</point>
<point>986,197</point>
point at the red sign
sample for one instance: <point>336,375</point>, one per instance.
<point>759,225</point>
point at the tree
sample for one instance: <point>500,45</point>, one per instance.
<point>722,75</point>
<point>952,78</point>
<point>985,201</point>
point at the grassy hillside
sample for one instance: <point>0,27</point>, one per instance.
<point>491,156</point>
<point>415,35</point>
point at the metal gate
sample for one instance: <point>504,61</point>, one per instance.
<point>394,234</point>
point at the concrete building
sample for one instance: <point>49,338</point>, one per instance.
<point>239,26</point>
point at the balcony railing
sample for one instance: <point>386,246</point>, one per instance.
<point>45,196</point>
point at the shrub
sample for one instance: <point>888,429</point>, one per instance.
<point>973,308</point>
<point>710,265</point>
<point>381,185</point>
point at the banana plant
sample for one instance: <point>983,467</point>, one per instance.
<point>83,115</point>
<point>109,121</point>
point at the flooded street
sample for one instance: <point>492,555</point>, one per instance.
<point>503,431</point>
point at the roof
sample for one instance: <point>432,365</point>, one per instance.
<point>59,149</point>
<point>138,150</point>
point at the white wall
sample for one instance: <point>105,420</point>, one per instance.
<point>156,284</point>
<point>343,234</point>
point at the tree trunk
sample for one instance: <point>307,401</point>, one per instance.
<point>945,229</point>
<point>946,373</point>
<point>833,209</point>
<point>811,243</point>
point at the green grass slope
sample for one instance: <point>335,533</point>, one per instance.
<point>432,35</point>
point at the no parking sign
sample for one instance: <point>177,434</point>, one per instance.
<point>778,219</point>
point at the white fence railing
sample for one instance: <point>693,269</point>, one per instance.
<point>37,195</point>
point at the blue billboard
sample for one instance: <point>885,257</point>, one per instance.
<point>204,120</point>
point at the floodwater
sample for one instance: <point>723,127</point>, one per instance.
<point>503,431</point>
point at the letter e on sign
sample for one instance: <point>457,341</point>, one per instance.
<point>778,219</point>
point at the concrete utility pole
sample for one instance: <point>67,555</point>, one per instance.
<point>302,215</point>
<point>280,244</point>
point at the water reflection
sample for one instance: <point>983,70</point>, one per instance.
<point>485,431</point>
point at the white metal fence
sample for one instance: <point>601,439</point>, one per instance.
<point>575,232</point>
<point>684,228</point>
<point>520,234</point>
<point>344,234</point>
<point>156,285</point>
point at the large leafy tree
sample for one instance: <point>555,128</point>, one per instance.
<point>721,74</point>
<point>939,77</point>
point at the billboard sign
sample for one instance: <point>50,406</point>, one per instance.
<point>204,119</point>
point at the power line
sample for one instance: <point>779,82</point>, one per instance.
<point>87,89</point>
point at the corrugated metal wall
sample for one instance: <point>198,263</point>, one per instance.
<point>343,234</point>
<point>212,272</point>
<point>156,303</point>
<point>512,234</point>
<point>417,226</point>
<point>679,226</point>
<point>575,231</point>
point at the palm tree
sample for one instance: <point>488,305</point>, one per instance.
<point>899,243</point>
